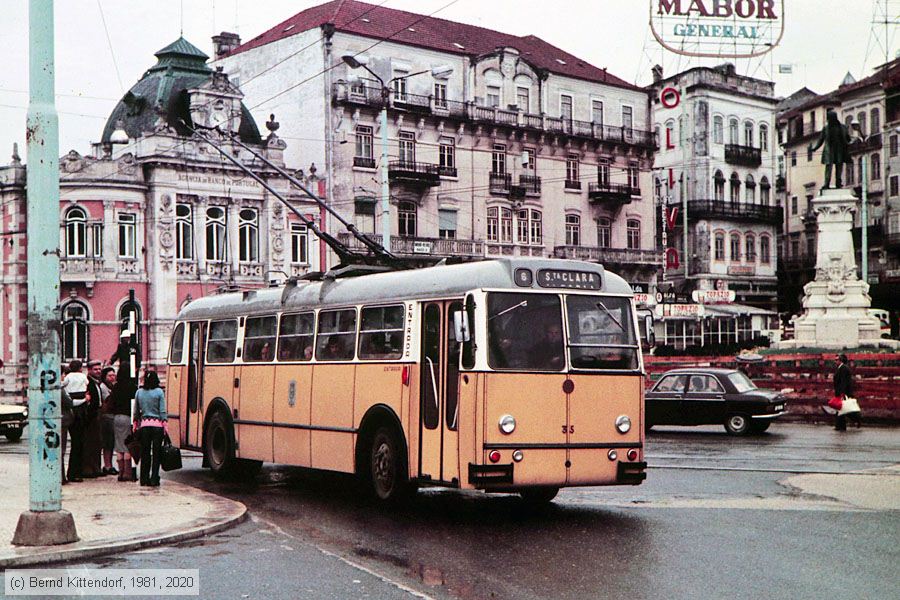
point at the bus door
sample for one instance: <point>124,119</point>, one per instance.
<point>439,394</point>
<point>191,431</point>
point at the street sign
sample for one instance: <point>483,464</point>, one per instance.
<point>680,310</point>
<point>422,247</point>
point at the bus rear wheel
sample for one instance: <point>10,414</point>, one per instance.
<point>538,496</point>
<point>387,467</point>
<point>218,446</point>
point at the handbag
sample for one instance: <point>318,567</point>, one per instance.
<point>134,446</point>
<point>850,405</point>
<point>836,403</point>
<point>169,456</point>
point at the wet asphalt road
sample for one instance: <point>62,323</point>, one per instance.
<point>712,521</point>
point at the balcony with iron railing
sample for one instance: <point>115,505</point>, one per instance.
<point>416,173</point>
<point>734,211</point>
<point>499,183</point>
<point>744,156</point>
<point>617,194</point>
<point>892,239</point>
<point>870,144</point>
<point>531,183</point>
<point>611,256</point>
<point>364,162</point>
<point>422,247</point>
<point>372,97</point>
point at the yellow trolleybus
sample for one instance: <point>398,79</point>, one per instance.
<point>511,375</point>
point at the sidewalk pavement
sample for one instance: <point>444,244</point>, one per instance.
<point>111,516</point>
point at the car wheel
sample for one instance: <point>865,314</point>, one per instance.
<point>737,424</point>
<point>14,436</point>
<point>538,496</point>
<point>759,426</point>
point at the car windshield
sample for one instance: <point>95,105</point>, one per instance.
<point>525,332</point>
<point>601,333</point>
<point>741,382</point>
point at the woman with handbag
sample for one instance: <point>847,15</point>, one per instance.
<point>843,387</point>
<point>151,404</point>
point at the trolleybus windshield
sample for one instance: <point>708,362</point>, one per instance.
<point>601,333</point>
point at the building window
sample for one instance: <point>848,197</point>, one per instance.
<point>299,244</point>
<point>719,186</point>
<point>893,144</point>
<point>184,232</point>
<point>573,230</point>
<point>97,240</point>
<point>748,133</point>
<point>875,120</point>
<point>493,224</point>
<point>493,96</point>
<point>794,205</point>
<point>718,130</point>
<point>126,311</point>
<point>794,158</point>
<point>446,224</point>
<point>565,107</point>
<point>750,190</point>
<point>522,226</point>
<point>406,212</point>
<point>498,159</point>
<point>364,214</point>
<point>735,188</point>
<point>76,232</point>
<point>523,99</point>
<point>627,120</point>
<point>895,185</point>
<point>399,84</point>
<point>440,94</point>
<point>506,226</point>
<point>604,232</point>
<point>537,227</point>
<point>447,156</point>
<point>407,147</point>
<point>764,138</point>
<point>603,172</point>
<point>248,235</point>
<point>597,112</point>
<point>572,178</point>
<point>750,248</point>
<point>633,231</point>
<point>365,156</point>
<point>74,331</point>
<point>732,131</point>
<point>876,167</point>
<point>720,246</point>
<point>735,247</point>
<point>861,119</point>
<point>765,252</point>
<point>215,234</point>
<point>849,170</point>
<point>127,235</point>
<point>765,191</point>
<point>633,171</point>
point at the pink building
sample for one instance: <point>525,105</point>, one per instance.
<point>154,210</point>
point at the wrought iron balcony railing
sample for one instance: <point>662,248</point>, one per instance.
<point>611,256</point>
<point>734,211</point>
<point>744,156</point>
<point>618,193</point>
<point>499,183</point>
<point>414,172</point>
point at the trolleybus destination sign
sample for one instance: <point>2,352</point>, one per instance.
<point>718,28</point>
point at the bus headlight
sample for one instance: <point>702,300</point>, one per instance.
<point>507,424</point>
<point>623,424</point>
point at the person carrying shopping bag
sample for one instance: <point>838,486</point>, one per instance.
<point>153,426</point>
<point>843,388</point>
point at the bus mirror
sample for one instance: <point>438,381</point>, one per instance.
<point>648,324</point>
<point>461,326</point>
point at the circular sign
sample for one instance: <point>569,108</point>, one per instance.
<point>670,97</point>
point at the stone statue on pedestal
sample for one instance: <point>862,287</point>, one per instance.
<point>836,141</point>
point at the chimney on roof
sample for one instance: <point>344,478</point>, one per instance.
<point>224,43</point>
<point>657,73</point>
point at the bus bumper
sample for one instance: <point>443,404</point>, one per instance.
<point>631,473</point>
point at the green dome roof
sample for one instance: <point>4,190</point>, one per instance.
<point>180,66</point>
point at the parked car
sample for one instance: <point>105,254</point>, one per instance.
<point>13,419</point>
<point>706,396</point>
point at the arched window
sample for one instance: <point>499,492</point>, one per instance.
<point>765,250</point>
<point>876,167</point>
<point>604,232</point>
<point>750,190</point>
<point>861,119</point>
<point>129,307</point>
<point>248,235</point>
<point>765,191</point>
<point>633,232</point>
<point>406,212</point>
<point>750,248</point>
<point>764,137</point>
<point>733,131</point>
<point>850,177</point>
<point>573,230</point>
<point>76,232</point>
<point>875,121</point>
<point>719,186</point>
<point>718,129</point>
<point>735,188</point>
<point>75,331</point>
<point>657,186</point>
<point>215,234</point>
<point>184,232</point>
<point>748,133</point>
<point>735,247</point>
<point>720,246</point>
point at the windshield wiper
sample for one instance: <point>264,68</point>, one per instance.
<point>510,309</point>
<point>610,315</point>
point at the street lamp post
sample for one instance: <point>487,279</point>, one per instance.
<point>362,61</point>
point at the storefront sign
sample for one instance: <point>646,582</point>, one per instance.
<point>680,310</point>
<point>718,28</point>
<point>642,299</point>
<point>742,270</point>
<point>713,296</point>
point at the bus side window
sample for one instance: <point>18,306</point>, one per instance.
<point>468,349</point>
<point>222,341</point>
<point>336,338</point>
<point>259,339</point>
<point>176,353</point>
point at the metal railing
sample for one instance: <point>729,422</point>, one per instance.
<point>735,211</point>
<point>531,183</point>
<point>600,190</point>
<point>362,161</point>
<point>746,156</point>
<point>619,256</point>
<point>499,183</point>
<point>411,168</point>
<point>418,246</point>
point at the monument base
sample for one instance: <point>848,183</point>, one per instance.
<point>49,528</point>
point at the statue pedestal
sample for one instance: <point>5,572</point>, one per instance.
<point>836,303</point>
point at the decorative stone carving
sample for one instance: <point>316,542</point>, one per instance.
<point>127,164</point>
<point>277,243</point>
<point>186,268</point>
<point>165,205</point>
<point>73,162</point>
<point>166,239</point>
<point>251,270</point>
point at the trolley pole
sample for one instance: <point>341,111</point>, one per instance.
<point>45,523</point>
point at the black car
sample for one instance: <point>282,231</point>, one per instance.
<point>13,419</point>
<point>708,396</point>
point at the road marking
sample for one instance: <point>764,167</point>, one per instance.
<point>761,470</point>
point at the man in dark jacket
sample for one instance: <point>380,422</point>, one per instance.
<point>836,139</point>
<point>843,386</point>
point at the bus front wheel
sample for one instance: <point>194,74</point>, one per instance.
<point>387,467</point>
<point>219,444</point>
<point>539,496</point>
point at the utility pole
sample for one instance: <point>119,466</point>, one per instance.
<point>45,523</point>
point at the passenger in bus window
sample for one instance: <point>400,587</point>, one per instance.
<point>307,353</point>
<point>334,349</point>
<point>265,353</point>
<point>547,352</point>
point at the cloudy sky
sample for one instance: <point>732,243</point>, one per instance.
<point>97,64</point>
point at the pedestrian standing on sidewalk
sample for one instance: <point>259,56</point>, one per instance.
<point>151,403</point>
<point>843,387</point>
<point>75,384</point>
<point>66,419</point>
<point>122,394</point>
<point>93,434</point>
<point>107,418</point>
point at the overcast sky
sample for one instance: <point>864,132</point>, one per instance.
<point>823,40</point>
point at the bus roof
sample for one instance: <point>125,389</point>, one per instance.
<point>430,282</point>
